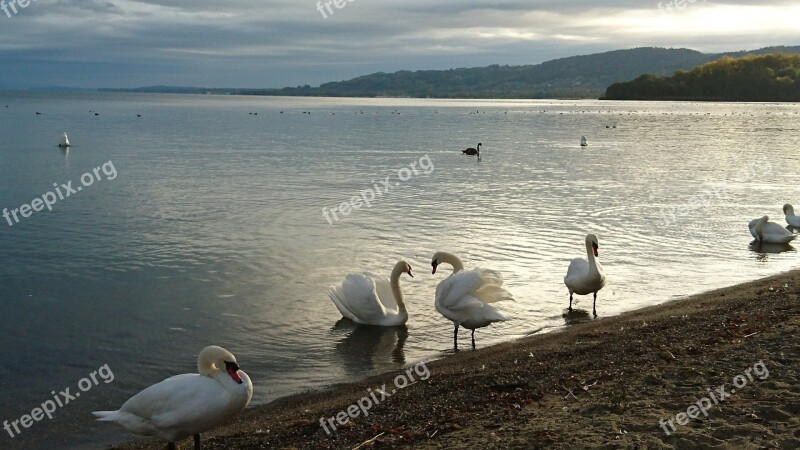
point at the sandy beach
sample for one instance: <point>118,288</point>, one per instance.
<point>716,370</point>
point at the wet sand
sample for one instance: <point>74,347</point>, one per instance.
<point>612,382</point>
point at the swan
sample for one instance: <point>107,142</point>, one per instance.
<point>586,276</point>
<point>473,151</point>
<point>791,219</point>
<point>187,404</point>
<point>64,141</point>
<point>465,296</point>
<point>765,231</point>
<point>583,141</point>
<point>371,299</point>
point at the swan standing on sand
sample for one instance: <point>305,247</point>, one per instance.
<point>465,296</point>
<point>473,151</point>
<point>371,299</point>
<point>583,141</point>
<point>187,404</point>
<point>770,232</point>
<point>586,276</point>
<point>64,142</point>
<point>791,219</point>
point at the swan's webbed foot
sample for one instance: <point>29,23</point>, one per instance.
<point>171,446</point>
<point>197,441</point>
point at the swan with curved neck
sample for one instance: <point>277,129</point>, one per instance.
<point>586,276</point>
<point>464,297</point>
<point>770,232</point>
<point>791,219</point>
<point>370,299</point>
<point>187,404</point>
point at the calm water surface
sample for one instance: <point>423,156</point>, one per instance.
<point>213,232</point>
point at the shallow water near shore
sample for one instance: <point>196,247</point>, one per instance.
<point>213,231</point>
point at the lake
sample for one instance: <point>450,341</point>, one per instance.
<point>203,222</point>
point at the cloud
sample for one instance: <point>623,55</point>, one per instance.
<point>123,43</point>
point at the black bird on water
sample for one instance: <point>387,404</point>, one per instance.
<point>473,151</point>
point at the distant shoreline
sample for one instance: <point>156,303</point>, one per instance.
<point>601,382</point>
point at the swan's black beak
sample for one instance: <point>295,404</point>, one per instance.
<point>233,370</point>
<point>409,273</point>
<point>594,249</point>
<point>434,264</point>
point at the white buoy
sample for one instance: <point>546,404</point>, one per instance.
<point>583,141</point>
<point>64,142</point>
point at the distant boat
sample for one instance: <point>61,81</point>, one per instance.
<point>583,141</point>
<point>64,142</point>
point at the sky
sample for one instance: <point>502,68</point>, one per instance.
<point>277,43</point>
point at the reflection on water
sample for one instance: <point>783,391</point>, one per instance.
<point>366,347</point>
<point>763,250</point>
<point>576,316</point>
<point>213,232</point>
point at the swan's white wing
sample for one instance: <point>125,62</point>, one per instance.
<point>384,290</point>
<point>175,408</point>
<point>578,269</point>
<point>357,299</point>
<point>772,232</point>
<point>471,288</point>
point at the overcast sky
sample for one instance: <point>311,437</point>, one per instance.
<point>276,43</point>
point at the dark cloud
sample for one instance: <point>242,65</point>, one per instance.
<point>248,43</point>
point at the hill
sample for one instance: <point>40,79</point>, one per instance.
<point>585,76</point>
<point>754,78</point>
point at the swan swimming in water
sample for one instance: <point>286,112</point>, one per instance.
<point>585,276</point>
<point>64,143</point>
<point>473,151</point>
<point>791,219</point>
<point>187,404</point>
<point>371,299</point>
<point>465,296</point>
<point>770,232</point>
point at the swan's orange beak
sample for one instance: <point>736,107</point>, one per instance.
<point>233,371</point>
<point>594,249</point>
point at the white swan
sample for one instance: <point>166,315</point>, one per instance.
<point>791,219</point>
<point>64,141</point>
<point>465,296</point>
<point>187,404</point>
<point>371,299</point>
<point>765,231</point>
<point>583,141</point>
<point>586,276</point>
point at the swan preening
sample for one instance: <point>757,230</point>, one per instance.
<point>473,151</point>
<point>770,232</point>
<point>465,296</point>
<point>187,404</point>
<point>371,299</point>
<point>64,143</point>
<point>791,219</point>
<point>583,141</point>
<point>585,276</point>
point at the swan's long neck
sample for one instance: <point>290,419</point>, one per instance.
<point>453,260</point>
<point>396,291</point>
<point>590,255</point>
